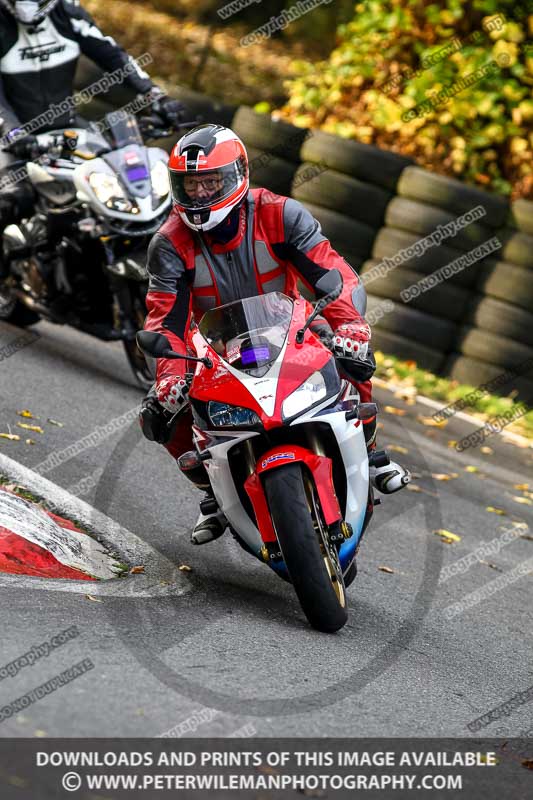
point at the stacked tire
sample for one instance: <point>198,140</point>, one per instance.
<point>426,326</point>
<point>347,186</point>
<point>273,148</point>
<point>497,335</point>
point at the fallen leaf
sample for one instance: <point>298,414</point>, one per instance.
<point>526,536</point>
<point>386,569</point>
<point>517,523</point>
<point>527,763</point>
<point>396,448</point>
<point>11,436</point>
<point>25,413</point>
<point>522,487</point>
<point>492,566</point>
<point>471,468</point>
<point>524,500</point>
<point>94,599</point>
<point>452,443</point>
<point>407,394</point>
<point>496,510</point>
<point>398,412</point>
<point>432,423</point>
<point>53,422</point>
<point>185,568</point>
<point>444,476</point>
<point>30,441</point>
<point>34,428</point>
<point>414,488</point>
<point>488,451</point>
<point>136,570</point>
<point>447,536</point>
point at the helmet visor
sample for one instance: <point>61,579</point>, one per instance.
<point>204,189</point>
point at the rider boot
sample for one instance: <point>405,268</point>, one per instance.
<point>385,475</point>
<point>211,523</point>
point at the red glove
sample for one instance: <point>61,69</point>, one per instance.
<point>351,340</point>
<point>172,393</point>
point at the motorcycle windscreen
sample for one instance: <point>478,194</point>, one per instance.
<point>249,334</point>
<point>123,131</point>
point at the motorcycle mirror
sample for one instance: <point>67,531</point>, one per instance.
<point>153,344</point>
<point>329,285</point>
<point>327,289</point>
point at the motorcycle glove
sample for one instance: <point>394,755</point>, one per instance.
<point>170,110</point>
<point>21,145</point>
<point>172,393</point>
<point>153,421</point>
<point>351,345</point>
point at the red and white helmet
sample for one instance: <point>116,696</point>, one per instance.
<point>208,175</point>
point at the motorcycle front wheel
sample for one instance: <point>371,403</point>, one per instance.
<point>141,367</point>
<point>312,562</point>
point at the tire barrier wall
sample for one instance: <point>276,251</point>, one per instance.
<point>374,203</point>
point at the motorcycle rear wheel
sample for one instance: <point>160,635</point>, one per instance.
<point>311,561</point>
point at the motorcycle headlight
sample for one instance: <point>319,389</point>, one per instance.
<point>160,180</point>
<point>321,384</point>
<point>108,191</point>
<point>223,415</point>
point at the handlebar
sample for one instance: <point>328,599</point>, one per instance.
<point>151,127</point>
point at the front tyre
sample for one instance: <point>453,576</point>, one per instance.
<point>141,367</point>
<point>311,561</point>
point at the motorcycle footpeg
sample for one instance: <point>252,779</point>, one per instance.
<point>209,506</point>
<point>378,458</point>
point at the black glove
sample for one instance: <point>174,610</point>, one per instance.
<point>359,369</point>
<point>153,420</point>
<point>22,146</point>
<point>171,111</point>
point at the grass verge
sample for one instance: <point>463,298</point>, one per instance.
<point>414,380</point>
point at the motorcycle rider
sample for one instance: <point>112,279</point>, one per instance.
<point>40,44</point>
<point>223,242</point>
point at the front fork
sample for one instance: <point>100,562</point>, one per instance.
<point>320,468</point>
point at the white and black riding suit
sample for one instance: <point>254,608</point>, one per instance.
<point>37,66</point>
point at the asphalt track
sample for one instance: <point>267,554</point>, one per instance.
<point>230,637</point>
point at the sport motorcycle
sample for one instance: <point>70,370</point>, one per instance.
<point>280,434</point>
<point>80,259</point>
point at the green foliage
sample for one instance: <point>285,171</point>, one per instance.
<point>406,375</point>
<point>385,64</point>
